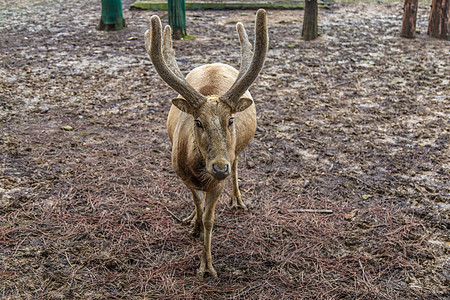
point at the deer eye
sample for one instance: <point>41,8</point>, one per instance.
<point>230,122</point>
<point>198,124</point>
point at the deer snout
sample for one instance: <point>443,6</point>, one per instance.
<point>220,171</point>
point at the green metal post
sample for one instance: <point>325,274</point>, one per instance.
<point>112,16</point>
<point>177,18</point>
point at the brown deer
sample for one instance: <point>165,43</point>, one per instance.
<point>212,120</point>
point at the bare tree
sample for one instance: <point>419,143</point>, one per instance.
<point>409,18</point>
<point>439,22</point>
<point>310,28</point>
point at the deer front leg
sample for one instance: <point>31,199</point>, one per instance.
<point>236,200</point>
<point>196,216</point>
<point>206,264</point>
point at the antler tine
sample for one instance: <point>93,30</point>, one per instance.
<point>251,72</point>
<point>165,63</point>
<point>246,52</point>
<point>168,53</point>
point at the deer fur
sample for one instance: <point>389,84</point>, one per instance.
<point>211,121</point>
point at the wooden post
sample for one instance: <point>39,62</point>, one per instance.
<point>409,18</point>
<point>177,18</point>
<point>439,23</point>
<point>310,30</point>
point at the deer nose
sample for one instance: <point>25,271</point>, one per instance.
<point>220,173</point>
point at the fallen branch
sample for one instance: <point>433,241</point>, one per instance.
<point>246,291</point>
<point>173,215</point>
<point>316,211</point>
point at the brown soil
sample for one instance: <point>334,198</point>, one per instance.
<point>356,122</point>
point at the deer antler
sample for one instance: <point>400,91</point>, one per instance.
<point>246,52</point>
<point>168,53</point>
<point>165,64</point>
<point>249,70</point>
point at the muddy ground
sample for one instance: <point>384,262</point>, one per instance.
<point>356,122</point>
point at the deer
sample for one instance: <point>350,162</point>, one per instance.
<point>210,122</point>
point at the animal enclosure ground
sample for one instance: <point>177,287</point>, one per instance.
<point>356,122</point>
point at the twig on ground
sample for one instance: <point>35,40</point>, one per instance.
<point>246,291</point>
<point>357,179</point>
<point>310,139</point>
<point>173,215</point>
<point>316,211</point>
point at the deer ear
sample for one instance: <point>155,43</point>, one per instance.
<point>242,104</point>
<point>182,105</point>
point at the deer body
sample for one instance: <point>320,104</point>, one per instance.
<point>212,120</point>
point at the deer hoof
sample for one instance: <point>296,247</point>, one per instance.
<point>201,273</point>
<point>238,204</point>
<point>197,233</point>
<point>197,229</point>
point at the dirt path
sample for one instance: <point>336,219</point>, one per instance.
<point>356,122</point>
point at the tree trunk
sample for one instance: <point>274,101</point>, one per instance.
<point>439,23</point>
<point>177,18</point>
<point>112,17</point>
<point>310,31</point>
<point>409,18</point>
